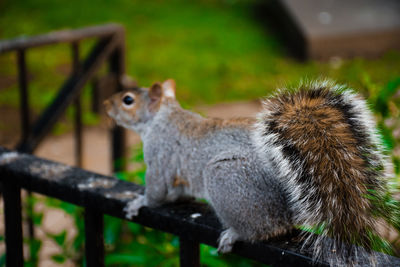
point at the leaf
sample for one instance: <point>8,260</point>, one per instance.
<point>37,218</point>
<point>79,240</point>
<point>396,164</point>
<point>118,163</point>
<point>69,208</point>
<point>137,154</point>
<point>120,258</point>
<point>171,262</point>
<point>60,238</point>
<point>112,229</point>
<point>3,259</point>
<point>381,245</point>
<point>175,242</point>
<point>121,175</point>
<point>134,227</point>
<point>209,256</point>
<point>381,102</point>
<point>213,261</point>
<point>80,225</point>
<point>59,258</point>
<point>141,176</point>
<point>34,247</point>
<point>387,137</point>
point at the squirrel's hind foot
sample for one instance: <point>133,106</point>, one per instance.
<point>133,207</point>
<point>226,240</point>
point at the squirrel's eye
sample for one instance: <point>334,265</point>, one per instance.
<point>128,100</point>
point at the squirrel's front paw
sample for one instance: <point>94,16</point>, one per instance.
<point>132,208</point>
<point>226,240</point>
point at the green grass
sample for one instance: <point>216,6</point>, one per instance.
<point>216,51</point>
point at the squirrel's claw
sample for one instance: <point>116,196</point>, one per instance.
<point>226,240</point>
<point>132,208</point>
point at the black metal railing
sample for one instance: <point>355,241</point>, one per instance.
<point>109,48</point>
<point>100,194</point>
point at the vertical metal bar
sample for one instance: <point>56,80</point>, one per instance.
<point>117,67</point>
<point>189,252</point>
<point>95,96</point>
<point>78,108</point>
<point>94,244</point>
<point>78,133</point>
<point>25,123</point>
<point>118,144</point>
<point>29,216</point>
<point>23,88</point>
<point>13,223</point>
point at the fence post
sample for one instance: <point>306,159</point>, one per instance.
<point>25,125</point>
<point>78,108</point>
<point>94,244</point>
<point>189,252</point>
<point>117,67</point>
<point>13,223</point>
<point>23,89</point>
<point>95,95</point>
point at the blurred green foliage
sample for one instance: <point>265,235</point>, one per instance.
<point>216,51</point>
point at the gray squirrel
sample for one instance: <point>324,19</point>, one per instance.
<point>311,157</point>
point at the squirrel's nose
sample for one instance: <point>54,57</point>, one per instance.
<point>108,105</point>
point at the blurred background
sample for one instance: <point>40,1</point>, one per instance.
<point>224,55</point>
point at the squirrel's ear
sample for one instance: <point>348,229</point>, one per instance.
<point>155,93</point>
<point>169,88</point>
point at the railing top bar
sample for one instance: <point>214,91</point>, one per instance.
<point>62,36</point>
<point>109,195</point>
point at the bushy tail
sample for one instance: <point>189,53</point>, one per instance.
<point>321,137</point>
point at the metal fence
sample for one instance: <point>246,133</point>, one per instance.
<point>109,48</point>
<point>100,194</point>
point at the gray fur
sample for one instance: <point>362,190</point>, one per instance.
<point>235,167</point>
<point>169,153</point>
<point>221,167</point>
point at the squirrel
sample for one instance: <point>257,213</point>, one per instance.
<point>311,157</point>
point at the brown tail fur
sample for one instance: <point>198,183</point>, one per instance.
<point>330,159</point>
